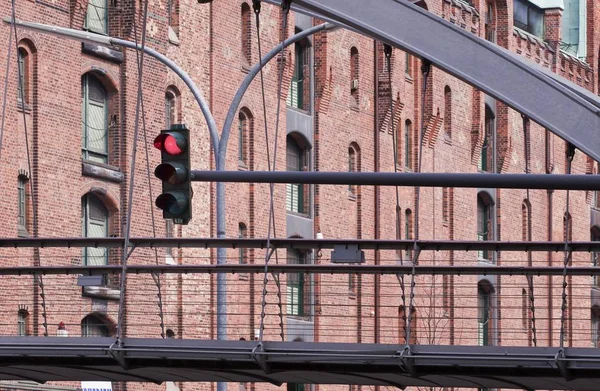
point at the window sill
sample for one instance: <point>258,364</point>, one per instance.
<point>352,295</point>
<point>103,52</point>
<point>101,171</point>
<point>23,233</point>
<point>298,109</point>
<point>173,38</point>
<point>408,78</point>
<point>354,107</point>
<point>243,276</point>
<point>351,196</point>
<point>298,214</point>
<point>242,166</point>
<point>447,138</point>
<point>245,67</point>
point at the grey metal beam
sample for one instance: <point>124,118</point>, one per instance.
<point>303,268</point>
<point>474,180</point>
<point>303,244</point>
<point>568,111</point>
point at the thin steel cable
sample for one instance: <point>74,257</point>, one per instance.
<point>425,69</point>
<point>155,276</point>
<point>394,130</point>
<point>532,309</point>
<point>136,126</point>
<point>5,92</point>
<point>38,279</point>
<point>285,9</point>
<point>256,5</point>
<point>567,252</point>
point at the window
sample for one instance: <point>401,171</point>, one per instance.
<point>96,17</point>
<point>296,286</point>
<point>22,323</point>
<point>95,119</point>
<point>408,224</point>
<point>95,225</point>
<point>242,136</point>
<point>595,237</point>
<point>22,184</point>
<point>243,233</point>
<point>296,161</point>
<point>246,33</point>
<point>352,168</point>
<point>487,149</point>
<point>170,333</point>
<point>490,30</point>
<point>483,224</point>
<point>352,277</point>
<point>93,326</point>
<point>173,15</point>
<point>297,96</point>
<point>448,112</point>
<point>524,308</point>
<point>528,17</point>
<point>595,325</point>
<point>23,85</point>
<point>573,31</point>
<point>484,306</point>
<point>408,145</point>
<point>445,205</point>
<point>408,68</point>
<point>170,109</point>
<point>354,76</point>
<point>402,321</point>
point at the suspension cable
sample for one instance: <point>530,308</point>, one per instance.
<point>256,5</point>
<point>567,252</point>
<point>33,184</point>
<point>285,10</point>
<point>155,276</point>
<point>136,125</point>
<point>425,69</point>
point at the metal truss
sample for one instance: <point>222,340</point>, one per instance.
<point>158,360</point>
<point>567,110</point>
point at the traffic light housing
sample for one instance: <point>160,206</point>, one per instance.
<point>175,174</point>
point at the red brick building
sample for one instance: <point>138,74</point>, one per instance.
<point>342,107</point>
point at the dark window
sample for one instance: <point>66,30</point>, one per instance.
<point>490,30</point>
<point>92,326</point>
<point>487,149</point>
<point>170,109</point>
<point>246,33</point>
<point>96,17</point>
<point>297,95</point>
<point>354,72</point>
<point>595,236</point>
<point>448,111</point>
<point>484,318</point>
<point>243,233</point>
<point>95,119</point>
<point>595,325</point>
<point>296,161</point>
<point>173,15</point>
<point>22,323</point>
<point>408,145</point>
<point>22,203</point>
<point>242,137</point>
<point>408,68</point>
<point>95,225</point>
<point>296,286</point>
<point>483,224</point>
<point>408,234</point>
<point>23,85</point>
<point>528,17</point>
<point>352,168</point>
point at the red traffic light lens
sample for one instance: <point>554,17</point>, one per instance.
<point>172,143</point>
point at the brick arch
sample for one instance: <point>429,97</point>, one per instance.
<point>28,43</point>
<point>105,76</point>
<point>110,201</point>
<point>106,321</point>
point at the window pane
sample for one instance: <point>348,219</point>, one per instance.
<point>520,14</point>
<point>96,16</point>
<point>21,201</point>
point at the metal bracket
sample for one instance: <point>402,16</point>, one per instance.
<point>119,356</point>
<point>258,356</point>
<point>407,361</point>
<point>562,365</point>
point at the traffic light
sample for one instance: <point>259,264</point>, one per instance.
<point>174,171</point>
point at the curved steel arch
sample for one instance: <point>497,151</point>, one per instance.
<point>567,110</point>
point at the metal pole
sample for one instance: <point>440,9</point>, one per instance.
<point>504,181</point>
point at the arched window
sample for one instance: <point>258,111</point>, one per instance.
<point>448,112</point>
<point>170,109</point>
<point>296,161</point>
<point>403,321</point>
<point>243,128</point>
<point>94,326</point>
<point>296,286</point>
<point>23,207</point>
<point>95,119</point>
<point>354,72</point>
<point>23,97</point>
<point>484,318</point>
<point>96,17</point>
<point>300,87</point>
<point>95,225</point>
<point>173,15</point>
<point>595,326</point>
<point>22,323</point>
<point>487,148</point>
<point>408,68</point>
<point>246,33</point>
<point>352,168</point>
<point>242,234</point>
<point>408,144</point>
<point>484,223</point>
<point>170,333</point>
<point>490,25</point>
